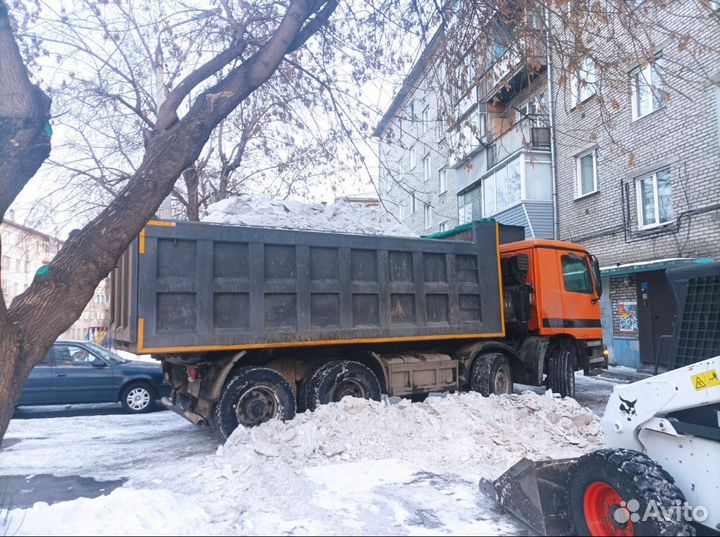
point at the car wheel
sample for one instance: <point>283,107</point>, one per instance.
<point>137,397</point>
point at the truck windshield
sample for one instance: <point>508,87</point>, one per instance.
<point>576,274</point>
<point>106,354</point>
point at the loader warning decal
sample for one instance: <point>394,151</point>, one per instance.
<point>706,380</point>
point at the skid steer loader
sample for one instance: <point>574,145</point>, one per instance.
<point>660,474</point>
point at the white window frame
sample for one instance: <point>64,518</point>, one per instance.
<point>412,161</point>
<point>426,119</point>
<point>578,173</point>
<point>401,212</point>
<point>638,198</point>
<point>413,203</point>
<point>427,167</point>
<point>427,215</point>
<point>442,180</point>
<point>648,73</point>
<point>584,84</point>
<point>443,226</point>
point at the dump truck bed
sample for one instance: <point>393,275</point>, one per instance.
<point>191,287</point>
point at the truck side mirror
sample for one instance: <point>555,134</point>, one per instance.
<point>596,274</point>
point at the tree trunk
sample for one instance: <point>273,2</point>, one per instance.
<point>192,182</point>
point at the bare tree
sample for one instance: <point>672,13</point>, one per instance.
<point>135,57</point>
<point>263,36</point>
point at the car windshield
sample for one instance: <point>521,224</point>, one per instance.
<point>106,354</point>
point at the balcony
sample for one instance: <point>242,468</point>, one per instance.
<point>513,70</point>
<point>507,137</point>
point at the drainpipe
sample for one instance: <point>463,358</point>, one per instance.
<point>551,113</point>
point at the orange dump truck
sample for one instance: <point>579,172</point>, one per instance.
<point>253,324</point>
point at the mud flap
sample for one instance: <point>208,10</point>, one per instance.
<point>536,493</point>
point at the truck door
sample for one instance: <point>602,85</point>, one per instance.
<point>580,301</point>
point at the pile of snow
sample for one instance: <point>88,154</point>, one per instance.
<point>460,432</point>
<point>350,468</point>
<point>341,217</point>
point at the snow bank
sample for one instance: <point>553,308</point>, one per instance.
<point>458,433</point>
<point>122,512</point>
<point>341,217</point>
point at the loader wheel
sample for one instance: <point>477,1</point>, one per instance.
<point>561,371</point>
<point>334,380</point>
<point>491,374</point>
<point>251,396</point>
<point>610,491</point>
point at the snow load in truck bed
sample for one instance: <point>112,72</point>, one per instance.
<point>341,217</point>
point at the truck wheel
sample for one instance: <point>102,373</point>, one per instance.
<point>334,380</point>
<point>610,491</point>
<point>491,374</point>
<point>251,396</point>
<point>561,371</point>
<point>137,397</point>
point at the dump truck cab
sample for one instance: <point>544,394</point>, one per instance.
<point>551,293</point>
<point>563,284</point>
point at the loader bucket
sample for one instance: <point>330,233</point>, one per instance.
<point>536,493</point>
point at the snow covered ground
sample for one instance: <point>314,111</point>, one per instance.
<point>356,467</point>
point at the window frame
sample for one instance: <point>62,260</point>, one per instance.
<point>412,160</point>
<point>655,91</point>
<point>583,260</point>
<point>427,167</point>
<point>426,119</point>
<point>579,194</point>
<point>413,203</point>
<point>442,181</point>
<point>656,199</point>
<point>583,90</point>
<point>427,215</point>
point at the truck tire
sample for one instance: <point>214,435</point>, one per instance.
<point>334,380</point>
<point>251,396</point>
<point>611,489</point>
<point>491,374</point>
<point>561,371</point>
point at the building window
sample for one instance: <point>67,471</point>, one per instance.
<point>413,203</point>
<point>587,180</point>
<point>413,158</point>
<point>401,212</point>
<point>427,213</point>
<point>654,195</point>
<point>442,180</point>
<point>427,169</point>
<point>470,205</point>
<point>444,225</point>
<point>649,91</point>
<point>426,119</point>
<point>585,82</point>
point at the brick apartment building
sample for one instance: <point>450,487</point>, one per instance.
<point>637,183</point>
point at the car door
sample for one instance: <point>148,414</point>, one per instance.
<point>38,386</point>
<point>80,376</point>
